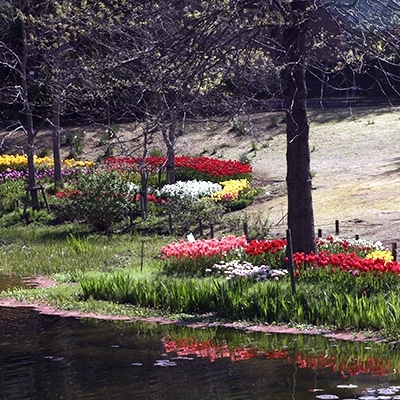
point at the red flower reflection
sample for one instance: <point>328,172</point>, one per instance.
<point>347,366</point>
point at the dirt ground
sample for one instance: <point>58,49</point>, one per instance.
<point>355,160</point>
<point>357,178</point>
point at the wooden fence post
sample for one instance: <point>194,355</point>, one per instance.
<point>201,227</point>
<point>394,251</point>
<point>170,223</point>
<point>289,257</point>
<point>246,230</point>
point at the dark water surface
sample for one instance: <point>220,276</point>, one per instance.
<point>48,357</point>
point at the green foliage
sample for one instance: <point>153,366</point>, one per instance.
<point>368,284</point>
<point>75,143</point>
<point>99,198</point>
<point>186,212</point>
<point>267,301</point>
<point>240,128</point>
<point>191,267</point>
<point>244,158</point>
<point>11,219</point>
<point>258,225</point>
<point>276,119</point>
<point>44,152</point>
<point>12,195</point>
<point>246,198</point>
<point>78,245</point>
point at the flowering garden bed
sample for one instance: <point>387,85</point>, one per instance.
<point>347,283</point>
<point>107,193</point>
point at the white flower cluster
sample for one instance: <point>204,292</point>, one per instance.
<point>245,269</point>
<point>327,244</point>
<point>366,243</point>
<point>132,188</point>
<point>191,189</point>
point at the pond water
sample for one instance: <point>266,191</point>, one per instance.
<point>10,281</point>
<point>48,357</point>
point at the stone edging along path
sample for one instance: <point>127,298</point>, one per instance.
<point>50,310</point>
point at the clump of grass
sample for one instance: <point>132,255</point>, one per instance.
<point>78,245</point>
<point>268,301</point>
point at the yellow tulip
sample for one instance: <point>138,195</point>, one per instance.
<point>231,189</point>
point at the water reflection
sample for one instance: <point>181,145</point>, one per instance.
<point>10,281</point>
<point>46,357</point>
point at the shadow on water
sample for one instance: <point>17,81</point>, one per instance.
<point>48,357</point>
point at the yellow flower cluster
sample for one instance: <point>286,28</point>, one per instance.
<point>10,160</point>
<point>18,160</point>
<point>71,163</point>
<point>382,254</point>
<point>231,189</point>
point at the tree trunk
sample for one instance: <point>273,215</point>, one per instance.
<point>144,178</point>
<point>169,137</point>
<point>298,178</point>
<point>56,100</point>
<point>170,165</point>
<point>58,179</point>
<point>28,115</point>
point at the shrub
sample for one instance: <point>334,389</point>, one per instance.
<point>101,199</point>
<point>187,212</point>
<point>11,193</point>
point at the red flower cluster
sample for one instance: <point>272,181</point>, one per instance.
<point>349,262</point>
<point>202,248</point>
<point>122,164</point>
<point>211,166</point>
<point>151,198</point>
<point>68,193</point>
<point>258,247</point>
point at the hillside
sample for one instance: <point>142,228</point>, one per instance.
<point>355,160</point>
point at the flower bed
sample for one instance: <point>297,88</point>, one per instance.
<point>189,189</point>
<point>125,173</point>
<point>216,255</point>
<point>245,269</point>
<point>230,190</point>
<point>348,262</point>
<point>20,162</point>
<point>195,257</point>
<point>187,168</point>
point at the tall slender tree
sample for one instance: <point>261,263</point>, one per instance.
<point>15,59</point>
<point>298,178</point>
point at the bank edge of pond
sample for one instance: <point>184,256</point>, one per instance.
<point>43,282</point>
